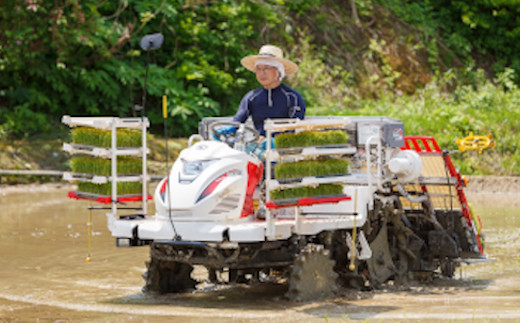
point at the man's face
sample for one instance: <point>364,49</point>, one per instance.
<point>267,76</point>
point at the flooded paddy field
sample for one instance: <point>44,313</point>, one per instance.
<point>44,276</point>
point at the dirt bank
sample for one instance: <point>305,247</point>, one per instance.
<point>493,184</point>
<point>9,189</point>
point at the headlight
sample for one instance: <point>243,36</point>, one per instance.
<point>192,169</point>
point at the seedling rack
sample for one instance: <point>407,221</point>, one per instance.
<point>111,124</point>
<point>292,154</point>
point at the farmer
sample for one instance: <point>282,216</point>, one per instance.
<point>274,99</point>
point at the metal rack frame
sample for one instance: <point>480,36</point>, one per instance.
<point>112,124</point>
<point>272,155</point>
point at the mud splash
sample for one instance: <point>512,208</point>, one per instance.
<point>44,275</point>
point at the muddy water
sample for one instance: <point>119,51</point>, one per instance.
<point>44,276</point>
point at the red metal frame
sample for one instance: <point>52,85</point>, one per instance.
<point>428,145</point>
<point>254,175</point>
<point>305,201</point>
<point>105,199</point>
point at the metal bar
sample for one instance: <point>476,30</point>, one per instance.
<point>52,173</point>
<point>145,174</point>
<point>108,208</point>
<point>31,172</point>
<point>268,216</point>
<point>425,144</point>
<point>416,145</point>
<point>114,168</point>
<point>89,233</point>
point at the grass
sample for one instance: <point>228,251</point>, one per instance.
<point>310,138</point>
<point>103,138</point>
<point>100,166</point>
<point>307,191</point>
<point>123,188</point>
<point>475,104</point>
<point>318,167</point>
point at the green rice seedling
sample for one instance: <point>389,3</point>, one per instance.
<point>102,138</point>
<point>123,188</point>
<point>307,191</point>
<point>318,167</point>
<point>99,166</point>
<point>310,138</point>
<point>129,138</point>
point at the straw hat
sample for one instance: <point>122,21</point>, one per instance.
<point>269,52</point>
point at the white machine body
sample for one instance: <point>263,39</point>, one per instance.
<point>208,182</point>
<point>208,197</point>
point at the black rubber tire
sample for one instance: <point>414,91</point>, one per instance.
<point>312,276</point>
<point>164,276</point>
<point>448,268</point>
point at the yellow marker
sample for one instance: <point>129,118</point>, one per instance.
<point>473,142</point>
<point>164,107</point>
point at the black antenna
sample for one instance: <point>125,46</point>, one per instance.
<point>148,43</point>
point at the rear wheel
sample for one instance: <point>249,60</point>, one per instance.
<point>448,268</point>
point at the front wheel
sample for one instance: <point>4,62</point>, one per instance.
<point>312,275</point>
<point>166,276</point>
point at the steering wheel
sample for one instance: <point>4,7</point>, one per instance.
<point>229,137</point>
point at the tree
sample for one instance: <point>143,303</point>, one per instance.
<point>83,58</point>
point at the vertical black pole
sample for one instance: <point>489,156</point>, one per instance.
<point>144,88</point>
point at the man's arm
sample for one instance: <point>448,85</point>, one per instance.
<point>243,110</point>
<point>299,111</point>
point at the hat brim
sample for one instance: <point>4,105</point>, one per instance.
<point>249,63</point>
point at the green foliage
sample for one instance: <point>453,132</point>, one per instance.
<point>103,167</point>
<point>302,6</point>
<point>123,188</point>
<point>318,167</point>
<point>84,59</point>
<point>307,191</point>
<point>310,138</point>
<point>103,138</point>
<point>482,108</point>
<point>322,86</point>
<point>481,30</point>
